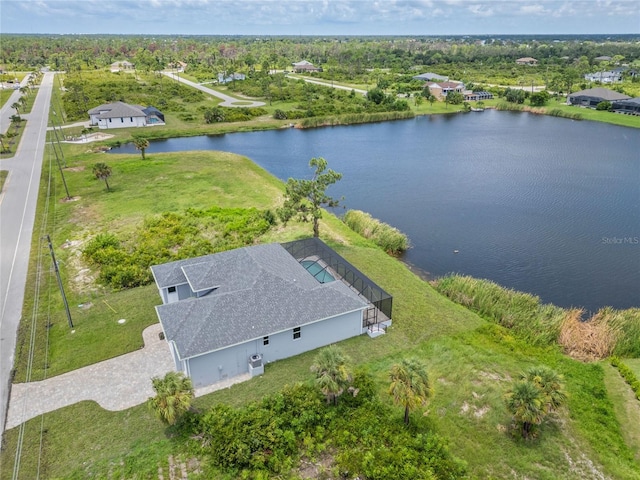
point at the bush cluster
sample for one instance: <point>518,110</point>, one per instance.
<point>173,236</point>
<point>224,114</point>
<point>365,437</point>
<point>628,375</point>
<point>392,240</point>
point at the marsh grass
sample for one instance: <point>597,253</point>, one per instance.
<point>353,118</point>
<point>389,238</point>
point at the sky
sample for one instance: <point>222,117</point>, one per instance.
<point>321,17</point>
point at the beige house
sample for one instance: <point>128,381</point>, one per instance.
<point>122,66</point>
<point>527,61</point>
<point>304,66</point>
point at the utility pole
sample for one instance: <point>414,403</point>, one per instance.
<point>64,297</point>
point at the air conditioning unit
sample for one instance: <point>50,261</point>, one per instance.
<point>256,366</point>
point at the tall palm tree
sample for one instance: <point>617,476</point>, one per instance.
<point>410,385</point>
<point>102,171</point>
<point>550,384</point>
<point>141,144</point>
<point>331,372</point>
<point>526,403</point>
<point>17,106</point>
<point>174,394</point>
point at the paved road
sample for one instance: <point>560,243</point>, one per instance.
<point>6,111</point>
<point>17,213</point>
<point>324,83</point>
<point>227,100</point>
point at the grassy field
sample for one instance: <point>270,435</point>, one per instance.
<point>471,361</point>
<point>3,178</point>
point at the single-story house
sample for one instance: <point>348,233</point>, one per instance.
<point>305,66</point>
<point>123,115</point>
<point>476,96</point>
<point>630,106</point>
<point>593,96</point>
<point>122,66</point>
<point>527,61</point>
<point>431,77</point>
<point>224,78</point>
<point>229,313</point>
<point>610,76</point>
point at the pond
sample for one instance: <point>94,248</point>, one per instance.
<point>540,204</point>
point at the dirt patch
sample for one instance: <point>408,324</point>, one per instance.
<point>584,468</point>
<point>76,169</point>
<point>319,469</point>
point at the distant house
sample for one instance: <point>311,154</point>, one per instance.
<point>305,67</point>
<point>122,66</point>
<point>430,77</point>
<point>610,76</point>
<point>593,96</point>
<point>629,107</point>
<point>177,66</point>
<point>442,89</point>
<point>123,115</point>
<point>527,61</point>
<point>224,78</point>
<point>229,313</point>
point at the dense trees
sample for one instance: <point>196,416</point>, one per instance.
<point>304,199</point>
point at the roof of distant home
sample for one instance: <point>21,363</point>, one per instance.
<point>429,76</point>
<point>603,93</point>
<point>259,291</point>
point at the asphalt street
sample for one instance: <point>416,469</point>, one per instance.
<point>17,213</point>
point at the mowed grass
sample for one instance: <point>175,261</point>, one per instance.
<point>471,362</point>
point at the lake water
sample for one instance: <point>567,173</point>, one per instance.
<point>540,204</point>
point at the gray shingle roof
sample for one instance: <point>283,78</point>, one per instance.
<point>117,110</point>
<point>262,290</point>
<point>603,93</point>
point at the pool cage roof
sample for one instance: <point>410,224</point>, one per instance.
<point>314,248</point>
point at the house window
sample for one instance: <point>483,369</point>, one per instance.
<point>121,120</point>
<point>296,333</point>
<point>131,119</point>
<point>109,120</point>
<point>172,290</point>
<point>265,340</point>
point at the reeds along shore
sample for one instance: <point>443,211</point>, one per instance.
<point>608,332</point>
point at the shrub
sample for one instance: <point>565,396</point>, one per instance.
<point>628,375</point>
<point>280,114</point>
<point>603,106</point>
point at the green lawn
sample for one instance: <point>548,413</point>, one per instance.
<point>470,361</point>
<point>3,178</point>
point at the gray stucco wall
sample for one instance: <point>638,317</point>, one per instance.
<point>230,362</point>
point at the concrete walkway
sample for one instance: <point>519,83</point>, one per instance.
<point>115,384</point>
<point>228,101</point>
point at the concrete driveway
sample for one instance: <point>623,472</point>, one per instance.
<point>17,213</point>
<point>115,384</point>
<point>227,100</point>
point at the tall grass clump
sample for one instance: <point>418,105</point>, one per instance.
<point>514,107</point>
<point>521,312</point>
<point>627,325</point>
<point>354,118</point>
<point>389,238</point>
<point>587,341</point>
<point>558,112</point>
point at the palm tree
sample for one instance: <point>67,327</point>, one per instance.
<point>331,372</point>
<point>141,144</point>
<point>174,394</point>
<point>103,172</point>
<point>409,385</point>
<point>17,106</point>
<point>551,385</point>
<point>526,403</point>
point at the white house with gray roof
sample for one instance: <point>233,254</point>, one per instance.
<point>124,115</point>
<point>229,313</point>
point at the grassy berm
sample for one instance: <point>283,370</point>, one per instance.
<point>471,360</point>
